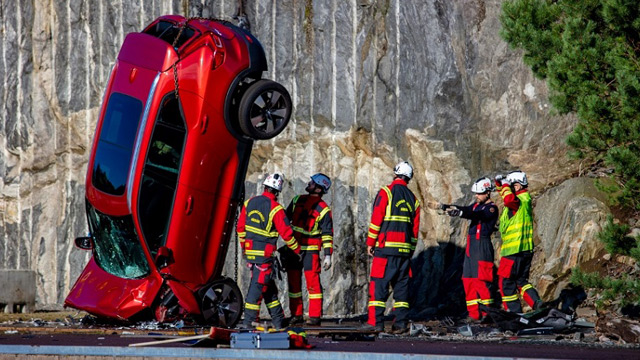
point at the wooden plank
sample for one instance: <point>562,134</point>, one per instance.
<point>167,341</point>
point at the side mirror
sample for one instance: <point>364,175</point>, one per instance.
<point>164,257</point>
<point>84,242</point>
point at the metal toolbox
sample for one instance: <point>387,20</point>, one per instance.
<point>260,340</point>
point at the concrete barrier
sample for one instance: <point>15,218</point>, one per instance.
<point>17,291</point>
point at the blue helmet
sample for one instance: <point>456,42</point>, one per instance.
<point>322,180</point>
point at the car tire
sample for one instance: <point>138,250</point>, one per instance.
<point>221,303</point>
<point>265,109</point>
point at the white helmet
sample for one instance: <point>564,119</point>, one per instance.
<point>517,176</point>
<point>322,180</point>
<point>274,181</point>
<point>482,186</point>
<point>404,168</point>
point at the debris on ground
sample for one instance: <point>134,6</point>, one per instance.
<point>545,325</point>
<point>544,320</point>
<point>616,328</point>
<point>293,338</point>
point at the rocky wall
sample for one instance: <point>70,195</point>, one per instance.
<point>373,83</point>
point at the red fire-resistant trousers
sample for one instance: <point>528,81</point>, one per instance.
<point>311,267</point>
<point>513,275</point>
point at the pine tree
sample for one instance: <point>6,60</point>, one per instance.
<point>589,53</point>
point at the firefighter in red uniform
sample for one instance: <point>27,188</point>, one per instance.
<point>516,229</point>
<point>260,222</point>
<point>392,238</point>
<point>477,269</point>
<point>313,229</point>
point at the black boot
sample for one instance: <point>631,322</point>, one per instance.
<point>313,321</point>
<point>296,320</point>
<point>370,328</point>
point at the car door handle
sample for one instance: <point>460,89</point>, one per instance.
<point>188,208</point>
<point>204,123</point>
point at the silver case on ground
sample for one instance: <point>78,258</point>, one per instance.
<point>252,340</point>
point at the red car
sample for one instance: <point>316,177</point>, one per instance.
<point>183,104</point>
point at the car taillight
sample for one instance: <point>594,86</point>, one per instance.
<point>218,57</point>
<point>217,41</point>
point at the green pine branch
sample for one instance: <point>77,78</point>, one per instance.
<point>589,54</point>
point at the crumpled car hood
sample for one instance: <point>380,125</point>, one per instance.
<point>102,294</point>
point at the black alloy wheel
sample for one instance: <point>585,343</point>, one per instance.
<point>222,303</point>
<point>265,110</point>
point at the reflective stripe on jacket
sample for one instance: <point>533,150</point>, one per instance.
<point>517,229</point>
<point>395,220</point>
<point>261,220</point>
<point>312,223</point>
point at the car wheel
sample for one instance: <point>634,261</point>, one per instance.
<point>265,109</point>
<point>221,303</point>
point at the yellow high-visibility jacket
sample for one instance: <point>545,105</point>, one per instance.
<point>517,231</point>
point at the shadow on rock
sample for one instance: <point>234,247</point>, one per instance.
<point>436,286</point>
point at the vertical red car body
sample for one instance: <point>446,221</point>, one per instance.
<point>167,169</point>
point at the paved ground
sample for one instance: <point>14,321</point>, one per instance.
<point>64,342</point>
<point>116,345</point>
<point>68,335</point>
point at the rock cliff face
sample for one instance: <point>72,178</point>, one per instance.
<point>373,83</point>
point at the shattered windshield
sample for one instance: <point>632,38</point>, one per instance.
<point>117,249</point>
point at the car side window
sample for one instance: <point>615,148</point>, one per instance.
<point>115,145</point>
<point>160,173</point>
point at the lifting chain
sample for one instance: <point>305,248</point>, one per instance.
<point>237,245</point>
<point>175,78</point>
<point>175,64</point>
<point>240,17</point>
<point>243,23</point>
<point>175,43</point>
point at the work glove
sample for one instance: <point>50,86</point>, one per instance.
<point>326,263</point>
<point>454,212</point>
<point>444,207</point>
<point>370,250</point>
<point>501,180</point>
<point>438,205</point>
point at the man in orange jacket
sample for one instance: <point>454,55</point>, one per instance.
<point>260,222</point>
<point>313,229</point>
<point>392,239</point>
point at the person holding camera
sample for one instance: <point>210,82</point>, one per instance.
<point>477,268</point>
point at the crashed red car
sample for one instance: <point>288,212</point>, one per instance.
<point>183,104</point>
